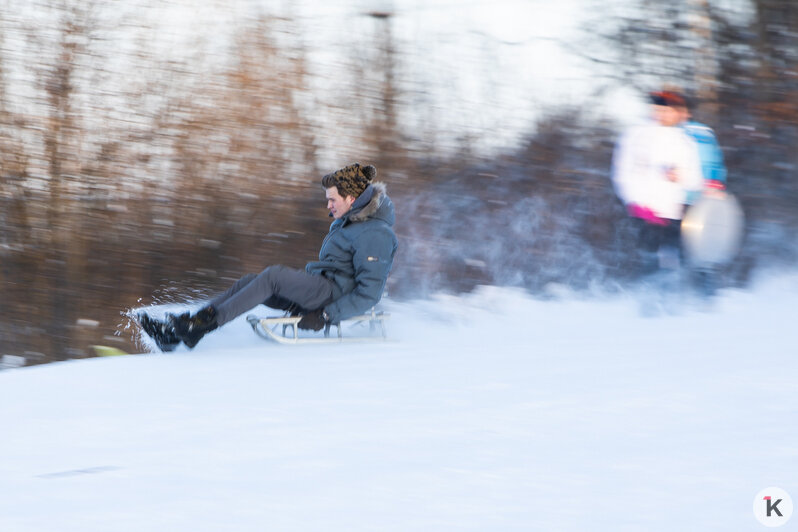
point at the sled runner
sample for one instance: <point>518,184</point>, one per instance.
<point>284,329</point>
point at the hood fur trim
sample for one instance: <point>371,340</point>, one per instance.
<point>372,206</point>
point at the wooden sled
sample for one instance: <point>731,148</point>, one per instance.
<point>284,329</point>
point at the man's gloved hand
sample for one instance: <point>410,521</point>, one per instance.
<point>313,321</point>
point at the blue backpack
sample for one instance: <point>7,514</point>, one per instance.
<point>708,151</point>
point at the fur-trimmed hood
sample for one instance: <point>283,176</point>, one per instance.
<point>373,203</point>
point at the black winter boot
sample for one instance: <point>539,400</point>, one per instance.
<point>162,332</point>
<point>191,329</point>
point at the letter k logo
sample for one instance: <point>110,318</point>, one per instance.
<point>772,506</point>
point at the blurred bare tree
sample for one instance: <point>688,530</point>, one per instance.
<point>182,172</point>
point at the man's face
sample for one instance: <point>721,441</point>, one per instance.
<point>338,205</point>
<point>667,115</point>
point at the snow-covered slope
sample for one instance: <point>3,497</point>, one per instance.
<point>491,412</point>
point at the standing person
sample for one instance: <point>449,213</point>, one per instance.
<point>355,259</point>
<point>704,277</point>
<point>656,168</point>
<point>709,153</point>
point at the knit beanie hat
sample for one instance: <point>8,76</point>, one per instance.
<point>668,98</point>
<point>350,180</point>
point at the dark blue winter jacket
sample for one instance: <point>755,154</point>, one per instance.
<point>357,254</point>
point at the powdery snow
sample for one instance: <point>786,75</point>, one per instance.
<point>492,411</point>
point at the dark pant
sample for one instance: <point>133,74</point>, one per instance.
<point>277,287</point>
<point>656,240</point>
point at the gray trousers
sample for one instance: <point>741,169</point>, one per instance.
<point>276,287</point>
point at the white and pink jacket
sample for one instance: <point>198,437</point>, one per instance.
<point>642,159</point>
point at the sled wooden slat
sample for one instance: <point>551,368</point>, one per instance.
<point>285,329</point>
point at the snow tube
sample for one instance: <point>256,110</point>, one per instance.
<point>712,229</point>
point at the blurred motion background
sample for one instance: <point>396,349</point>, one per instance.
<point>155,150</point>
